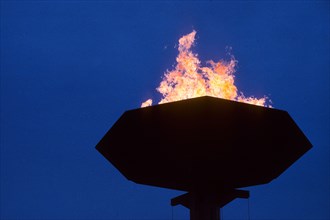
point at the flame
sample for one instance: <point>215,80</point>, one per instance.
<point>146,103</point>
<point>190,80</point>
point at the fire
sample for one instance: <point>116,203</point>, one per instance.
<point>190,80</point>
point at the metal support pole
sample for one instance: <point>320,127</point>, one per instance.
<point>206,205</point>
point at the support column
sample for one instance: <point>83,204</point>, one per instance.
<point>206,205</point>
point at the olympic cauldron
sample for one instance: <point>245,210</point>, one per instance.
<point>206,146</point>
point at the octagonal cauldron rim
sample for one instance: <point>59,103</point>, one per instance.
<point>203,142</point>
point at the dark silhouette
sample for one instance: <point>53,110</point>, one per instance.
<point>206,146</point>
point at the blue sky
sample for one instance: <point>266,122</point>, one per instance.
<point>69,69</point>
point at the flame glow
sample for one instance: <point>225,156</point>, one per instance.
<point>190,80</point>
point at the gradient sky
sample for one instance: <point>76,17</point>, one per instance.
<point>69,69</point>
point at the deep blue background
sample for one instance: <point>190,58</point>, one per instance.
<point>69,69</point>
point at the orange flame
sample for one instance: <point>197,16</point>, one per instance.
<point>190,80</point>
